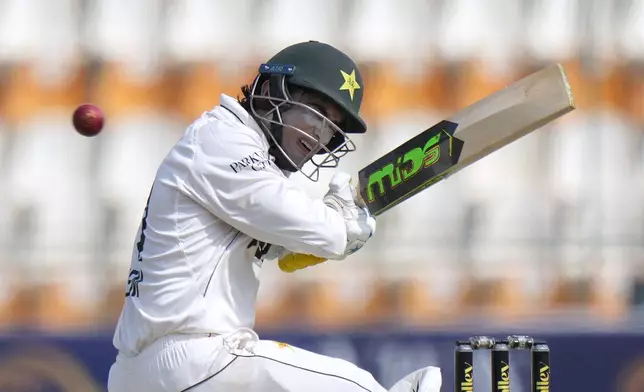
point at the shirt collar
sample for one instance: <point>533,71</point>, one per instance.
<point>231,105</point>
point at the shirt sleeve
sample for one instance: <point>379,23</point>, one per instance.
<point>236,180</point>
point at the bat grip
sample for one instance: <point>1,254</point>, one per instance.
<point>357,196</point>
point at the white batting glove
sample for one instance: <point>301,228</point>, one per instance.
<point>360,225</point>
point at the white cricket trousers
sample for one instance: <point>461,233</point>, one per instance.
<point>238,362</point>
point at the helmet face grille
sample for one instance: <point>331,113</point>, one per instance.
<point>325,69</point>
<point>316,67</point>
<point>269,110</point>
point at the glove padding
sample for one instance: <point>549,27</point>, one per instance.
<point>291,262</point>
<point>360,225</point>
<point>296,261</point>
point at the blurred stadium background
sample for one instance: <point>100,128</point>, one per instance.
<point>544,236</point>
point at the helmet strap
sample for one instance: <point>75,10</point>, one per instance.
<point>277,89</point>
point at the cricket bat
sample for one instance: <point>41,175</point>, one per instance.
<point>457,142</point>
<point>464,138</point>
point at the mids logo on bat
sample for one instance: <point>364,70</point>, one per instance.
<point>429,154</point>
<point>258,160</point>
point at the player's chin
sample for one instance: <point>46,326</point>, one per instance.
<point>296,158</point>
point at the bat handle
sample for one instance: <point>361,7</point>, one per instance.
<point>357,196</point>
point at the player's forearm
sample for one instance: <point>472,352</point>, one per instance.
<point>276,212</point>
<point>301,226</point>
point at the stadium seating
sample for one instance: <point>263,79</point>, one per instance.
<point>552,224</point>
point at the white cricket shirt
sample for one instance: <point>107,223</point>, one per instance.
<point>217,199</point>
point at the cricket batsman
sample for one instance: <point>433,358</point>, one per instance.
<point>220,206</point>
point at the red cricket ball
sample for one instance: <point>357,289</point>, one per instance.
<point>88,119</point>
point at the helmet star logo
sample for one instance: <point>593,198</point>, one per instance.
<point>350,83</point>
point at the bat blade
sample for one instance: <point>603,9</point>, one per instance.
<point>465,137</point>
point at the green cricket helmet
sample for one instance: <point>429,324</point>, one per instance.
<point>315,67</point>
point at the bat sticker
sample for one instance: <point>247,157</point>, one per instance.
<point>411,167</point>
